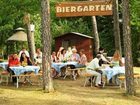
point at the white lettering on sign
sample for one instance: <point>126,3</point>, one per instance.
<point>59,9</point>
<point>83,8</point>
<point>91,8</point>
<point>73,9</point>
<point>69,9</point>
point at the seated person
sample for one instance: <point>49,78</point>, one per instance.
<point>75,56</point>
<point>57,68</point>
<point>103,60</point>
<point>83,59</point>
<point>116,64</point>
<point>38,56</point>
<point>116,60</point>
<point>13,61</point>
<point>93,68</point>
<point>53,57</point>
<point>59,53</point>
<point>24,51</point>
<point>68,53</point>
<point>62,57</point>
<point>24,60</point>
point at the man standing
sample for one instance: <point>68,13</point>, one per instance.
<point>93,67</point>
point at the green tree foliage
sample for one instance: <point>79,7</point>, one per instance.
<point>11,15</point>
<point>12,12</point>
<point>135,23</point>
<point>36,20</point>
<point>105,28</point>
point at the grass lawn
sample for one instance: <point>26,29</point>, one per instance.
<point>68,92</point>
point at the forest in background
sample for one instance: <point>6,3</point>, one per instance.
<point>12,13</point>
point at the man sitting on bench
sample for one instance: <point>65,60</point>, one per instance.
<point>93,68</point>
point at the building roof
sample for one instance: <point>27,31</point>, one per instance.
<point>75,33</point>
<point>18,36</point>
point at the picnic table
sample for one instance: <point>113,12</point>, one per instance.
<point>59,65</point>
<point>110,72</point>
<point>4,65</point>
<point>18,70</point>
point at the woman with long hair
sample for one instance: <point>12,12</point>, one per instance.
<point>24,60</point>
<point>117,59</point>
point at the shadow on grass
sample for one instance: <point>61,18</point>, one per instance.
<point>69,93</point>
<point>26,101</point>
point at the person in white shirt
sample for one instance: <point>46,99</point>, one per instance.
<point>24,51</point>
<point>62,57</point>
<point>58,55</point>
<point>68,53</point>
<point>92,68</point>
<point>38,56</point>
<point>75,56</point>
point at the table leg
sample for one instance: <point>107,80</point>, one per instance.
<point>17,82</point>
<point>74,74</point>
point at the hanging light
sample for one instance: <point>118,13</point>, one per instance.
<point>32,26</point>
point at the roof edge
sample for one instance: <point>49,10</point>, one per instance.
<point>76,33</point>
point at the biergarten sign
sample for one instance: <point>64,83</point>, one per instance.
<point>83,8</point>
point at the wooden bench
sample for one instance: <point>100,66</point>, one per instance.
<point>73,72</point>
<point>4,75</point>
<point>123,81</point>
<point>87,77</point>
<point>25,75</point>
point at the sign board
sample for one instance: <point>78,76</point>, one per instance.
<point>83,8</point>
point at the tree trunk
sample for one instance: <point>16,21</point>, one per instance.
<point>29,36</point>
<point>130,88</point>
<point>46,42</point>
<point>96,35</point>
<point>116,26</point>
<point>30,42</point>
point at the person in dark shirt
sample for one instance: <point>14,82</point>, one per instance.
<point>25,60</point>
<point>103,60</point>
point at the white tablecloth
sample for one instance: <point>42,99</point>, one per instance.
<point>110,72</point>
<point>20,69</point>
<point>4,65</point>
<point>58,66</point>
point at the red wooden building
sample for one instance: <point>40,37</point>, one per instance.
<point>79,40</point>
